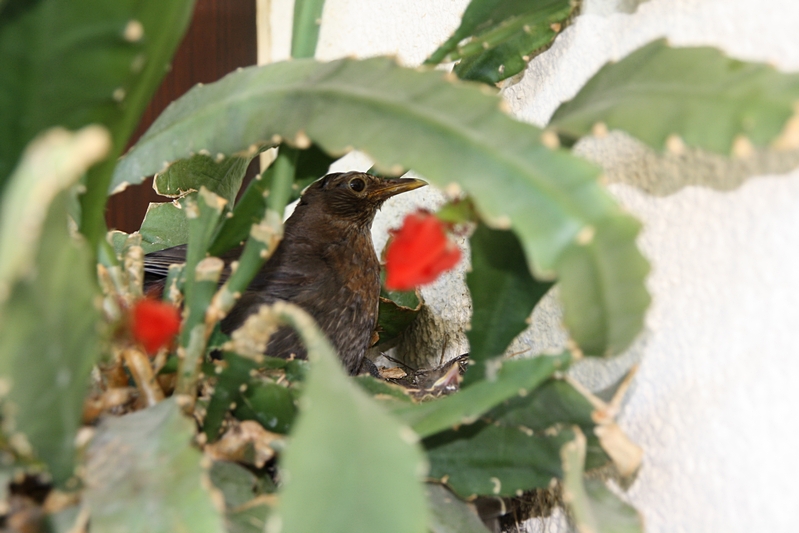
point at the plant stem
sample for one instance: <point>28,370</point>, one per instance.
<point>305,32</point>
<point>142,372</point>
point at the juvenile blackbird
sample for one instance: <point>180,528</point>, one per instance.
<point>325,264</point>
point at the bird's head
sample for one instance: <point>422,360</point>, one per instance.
<point>353,197</point>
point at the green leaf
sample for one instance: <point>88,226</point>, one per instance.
<point>396,311</point>
<point>62,521</point>
<point>248,518</point>
<point>589,272</point>
<point>274,185</point>
<point>64,60</point>
<point>50,343</point>
<point>312,164</point>
<point>250,210</point>
<point>523,38</point>
<point>337,477</point>
<point>222,178</point>
<point>449,514</point>
<point>164,226</point>
<point>407,299</point>
<point>503,295</point>
<point>698,94</point>
<point>502,36</point>
<point>393,320</point>
<point>203,211</point>
<point>512,378</point>
<point>237,484</point>
<point>554,403</point>
<point>485,459</point>
<point>227,391</point>
<point>240,487</point>
<point>305,33</point>
<point>51,165</point>
<point>144,475</point>
<point>71,64</point>
<point>270,404</point>
<point>48,290</point>
<point>594,508</point>
<point>200,279</point>
<point>382,390</point>
<point>416,120</point>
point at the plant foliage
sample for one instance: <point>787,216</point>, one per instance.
<point>213,435</point>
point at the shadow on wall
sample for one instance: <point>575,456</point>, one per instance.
<point>627,160</point>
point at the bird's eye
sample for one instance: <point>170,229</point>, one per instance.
<point>357,184</point>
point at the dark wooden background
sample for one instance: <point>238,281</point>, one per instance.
<point>221,38</point>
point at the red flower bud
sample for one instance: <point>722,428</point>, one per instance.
<point>419,252</point>
<point>154,323</point>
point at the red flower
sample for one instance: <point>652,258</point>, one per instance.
<point>419,252</point>
<point>154,323</point>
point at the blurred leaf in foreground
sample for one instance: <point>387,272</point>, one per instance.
<point>144,475</point>
<point>350,467</point>
<point>595,509</point>
<point>48,290</point>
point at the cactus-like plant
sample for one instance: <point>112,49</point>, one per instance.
<point>292,445</point>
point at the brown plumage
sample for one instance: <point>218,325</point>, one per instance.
<point>325,264</point>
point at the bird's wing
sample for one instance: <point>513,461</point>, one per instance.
<point>156,264</point>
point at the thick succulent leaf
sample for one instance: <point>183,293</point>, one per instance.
<point>62,521</point>
<point>144,475</point>
<point>449,514</point>
<point>270,404</point>
<point>393,319</point>
<point>594,508</point>
<point>511,379</point>
<point>448,132</point>
<point>223,178</point>
<point>554,403</point>
<point>305,32</point>
<point>203,212</point>
<point>71,63</point>
<point>312,164</point>
<point>11,9</point>
<point>592,265</point>
<point>164,226</point>
<point>500,50</point>
<point>48,334</point>
<point>248,211</point>
<point>237,484</point>
<point>227,391</point>
<point>383,390</point>
<point>488,23</point>
<point>486,459</point>
<point>503,295</point>
<point>51,165</point>
<point>698,94</point>
<point>76,63</point>
<point>50,343</point>
<point>396,311</point>
<point>249,518</point>
<point>337,476</point>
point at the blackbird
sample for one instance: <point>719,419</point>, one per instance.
<point>325,263</point>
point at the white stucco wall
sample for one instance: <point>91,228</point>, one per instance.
<point>714,402</point>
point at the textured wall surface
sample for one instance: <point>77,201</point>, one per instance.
<point>714,401</point>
